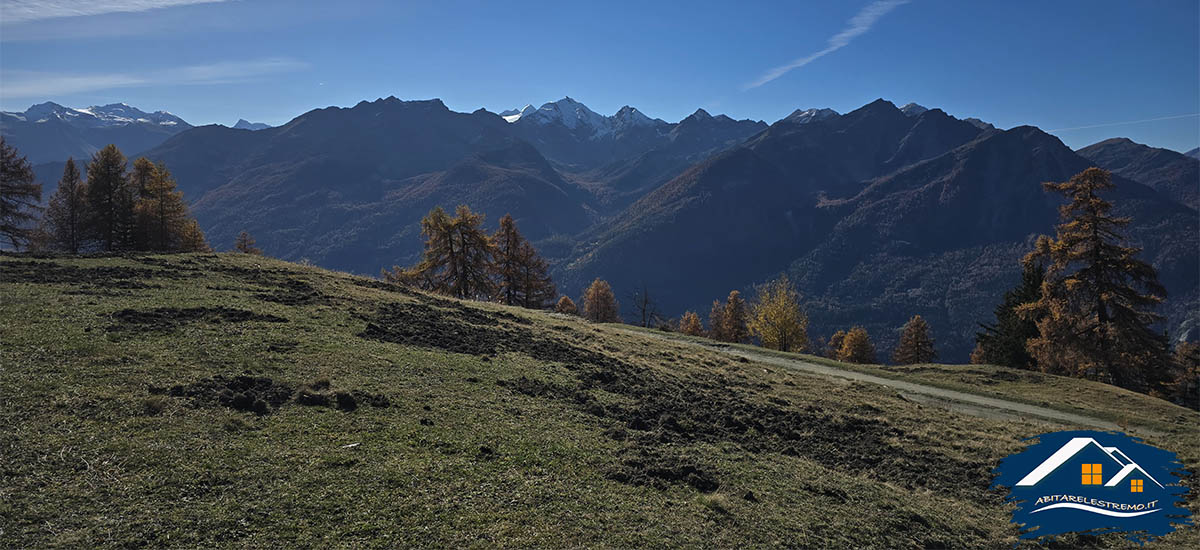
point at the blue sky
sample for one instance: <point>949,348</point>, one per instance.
<point>1085,70</point>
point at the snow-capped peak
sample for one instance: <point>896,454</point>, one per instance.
<point>570,113</point>
<point>513,115</point>
<point>630,116</point>
<point>810,115</point>
<point>912,109</point>
<point>115,114</point>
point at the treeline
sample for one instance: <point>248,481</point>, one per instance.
<point>114,210</point>
<point>1085,306</point>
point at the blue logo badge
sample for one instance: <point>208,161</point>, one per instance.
<point>1098,482</point>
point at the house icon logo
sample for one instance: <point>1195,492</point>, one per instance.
<point>1097,482</point>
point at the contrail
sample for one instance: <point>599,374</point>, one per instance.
<point>1107,124</point>
<point>859,24</point>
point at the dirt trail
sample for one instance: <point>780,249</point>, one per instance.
<point>962,402</point>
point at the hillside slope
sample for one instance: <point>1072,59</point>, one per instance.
<point>237,401</point>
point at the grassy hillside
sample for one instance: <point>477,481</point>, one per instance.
<point>236,401</point>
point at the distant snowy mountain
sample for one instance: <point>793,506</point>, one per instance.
<point>912,109</point>
<point>243,124</point>
<point>50,132</point>
<point>810,115</point>
<point>513,115</point>
<point>1194,153</point>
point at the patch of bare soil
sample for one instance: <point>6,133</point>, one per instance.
<point>263,395</point>
<point>166,319</point>
<point>48,272</point>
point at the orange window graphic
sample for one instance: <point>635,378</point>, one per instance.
<point>1091,474</point>
<point>1135,486</point>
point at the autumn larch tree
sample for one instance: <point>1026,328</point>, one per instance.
<point>776,318</point>
<point>834,347</point>
<point>67,215</point>
<point>567,306</point>
<point>191,238</point>
<point>244,243</point>
<point>19,196</point>
<point>733,320</point>
<point>1097,301</point>
<point>916,343</point>
<point>1003,342</point>
<point>522,277</point>
<point>162,217</point>
<point>600,304</point>
<point>690,324</point>
<point>458,256</point>
<point>716,321</point>
<point>857,347</point>
<point>110,198</point>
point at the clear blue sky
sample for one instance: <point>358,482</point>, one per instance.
<point>1059,65</point>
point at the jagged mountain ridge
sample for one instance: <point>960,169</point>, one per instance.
<point>49,132</point>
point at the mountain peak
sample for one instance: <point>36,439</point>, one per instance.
<point>700,114</point>
<point>810,115</point>
<point>243,124</point>
<point>913,109</point>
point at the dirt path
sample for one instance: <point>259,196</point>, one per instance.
<point>962,402</point>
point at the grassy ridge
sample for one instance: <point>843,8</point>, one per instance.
<point>502,427</point>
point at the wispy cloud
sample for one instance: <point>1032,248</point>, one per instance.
<point>40,85</point>
<point>17,11</point>
<point>859,24</point>
<point>1107,124</point>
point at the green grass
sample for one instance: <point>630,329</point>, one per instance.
<point>94,454</point>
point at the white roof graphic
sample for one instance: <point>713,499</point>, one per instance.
<point>1070,449</point>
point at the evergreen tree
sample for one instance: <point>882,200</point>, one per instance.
<point>916,344</point>
<point>567,306</point>
<point>857,347</point>
<point>458,258</point>
<point>716,321</point>
<point>776,318</point>
<point>245,244</point>
<point>110,199</point>
<point>833,349</point>
<point>161,214</point>
<point>1097,301</point>
<point>67,215</point>
<point>521,274</point>
<point>600,304</point>
<point>1003,342</point>
<point>733,321</point>
<point>690,324</point>
<point>19,196</point>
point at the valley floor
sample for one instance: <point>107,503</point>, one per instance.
<point>237,401</point>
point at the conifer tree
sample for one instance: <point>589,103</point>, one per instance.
<point>600,304</point>
<point>690,324</point>
<point>734,318</point>
<point>522,277</point>
<point>19,196</point>
<point>245,244</point>
<point>857,347</point>
<point>566,305</point>
<point>67,215</point>
<point>833,348</point>
<point>110,198</point>
<point>1098,298</point>
<point>191,238</point>
<point>916,344</point>
<point>1003,342</point>
<point>716,321</point>
<point>776,318</point>
<point>458,256</point>
<point>161,214</point>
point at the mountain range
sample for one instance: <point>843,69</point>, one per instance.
<point>877,214</point>
<point>49,132</point>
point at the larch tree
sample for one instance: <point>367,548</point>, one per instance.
<point>733,320</point>
<point>1003,342</point>
<point>522,276</point>
<point>916,343</point>
<point>600,304</point>
<point>20,197</point>
<point>776,318</point>
<point>833,348</point>
<point>67,217</point>
<point>566,305</point>
<point>191,238</point>
<point>857,347</point>
<point>716,321</point>
<point>244,243</point>
<point>110,198</point>
<point>690,324</point>
<point>458,256</point>
<point>162,217</point>
<point>1097,303</point>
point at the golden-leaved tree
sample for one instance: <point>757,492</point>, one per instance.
<point>857,347</point>
<point>690,324</point>
<point>600,304</point>
<point>522,276</point>
<point>566,305</point>
<point>916,343</point>
<point>733,319</point>
<point>716,321</point>
<point>244,243</point>
<point>834,347</point>
<point>776,318</point>
<point>1097,302</point>
<point>458,258</point>
<point>163,222</point>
